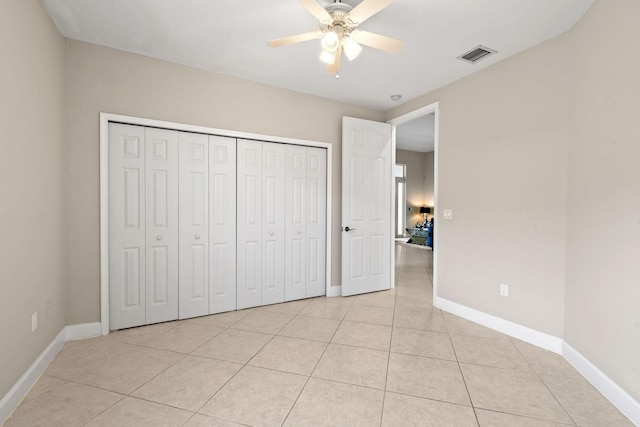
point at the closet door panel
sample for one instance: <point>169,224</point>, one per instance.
<point>161,225</point>
<point>273,213</point>
<point>126,226</point>
<point>249,226</point>
<point>295,222</point>
<point>194,230</point>
<point>316,221</point>
<point>222,224</point>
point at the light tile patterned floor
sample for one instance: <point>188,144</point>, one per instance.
<point>383,359</point>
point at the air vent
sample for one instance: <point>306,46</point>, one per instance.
<point>476,54</point>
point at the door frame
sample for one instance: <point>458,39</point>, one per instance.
<point>404,200</point>
<point>106,118</point>
<point>434,109</point>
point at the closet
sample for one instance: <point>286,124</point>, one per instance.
<point>202,224</point>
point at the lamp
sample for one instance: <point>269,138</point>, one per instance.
<point>425,210</point>
<point>330,41</point>
<point>328,57</point>
<point>351,48</point>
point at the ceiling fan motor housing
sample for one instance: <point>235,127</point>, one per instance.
<point>340,14</point>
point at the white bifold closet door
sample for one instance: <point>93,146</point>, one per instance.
<point>143,224</point>
<point>260,223</point>
<point>305,222</point>
<point>207,224</point>
<point>194,225</point>
<point>222,224</point>
<point>172,225</point>
<point>202,224</point>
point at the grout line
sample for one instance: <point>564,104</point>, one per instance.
<point>393,321</point>
<point>314,369</point>
<point>539,376</point>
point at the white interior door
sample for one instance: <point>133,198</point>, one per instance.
<point>366,206</point>
<point>222,224</point>
<point>126,226</point>
<point>194,230</point>
<point>249,250</point>
<point>161,225</point>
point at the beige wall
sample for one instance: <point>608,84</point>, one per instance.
<point>31,185</point>
<point>603,267</point>
<point>503,171</point>
<point>419,182</point>
<point>106,80</point>
<point>539,158</point>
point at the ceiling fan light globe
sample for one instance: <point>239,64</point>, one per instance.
<point>328,57</point>
<point>351,48</point>
<point>330,41</point>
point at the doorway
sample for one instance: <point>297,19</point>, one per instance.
<point>411,127</point>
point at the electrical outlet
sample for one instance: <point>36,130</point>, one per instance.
<point>34,321</point>
<point>504,290</point>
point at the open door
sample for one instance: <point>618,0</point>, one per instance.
<point>366,206</point>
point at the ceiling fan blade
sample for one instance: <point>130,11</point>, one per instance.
<point>377,41</point>
<point>335,67</point>
<point>295,39</point>
<point>316,10</point>
<point>367,9</point>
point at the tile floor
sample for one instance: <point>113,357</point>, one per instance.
<point>383,359</point>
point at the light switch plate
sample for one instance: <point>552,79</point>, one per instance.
<point>504,290</point>
<point>447,213</point>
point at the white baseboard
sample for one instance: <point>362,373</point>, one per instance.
<point>537,338</point>
<point>82,331</point>
<point>335,291</point>
<point>20,389</point>
<point>605,385</point>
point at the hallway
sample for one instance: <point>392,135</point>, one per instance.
<point>383,359</point>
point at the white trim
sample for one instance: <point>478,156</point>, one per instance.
<point>605,385</point>
<point>105,118</point>
<point>329,207</point>
<point>335,291</point>
<point>82,331</point>
<point>104,223</point>
<point>20,389</point>
<point>392,267</point>
<point>540,339</point>
<point>423,111</point>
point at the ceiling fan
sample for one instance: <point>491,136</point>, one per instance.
<point>338,22</point>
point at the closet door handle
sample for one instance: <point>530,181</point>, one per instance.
<point>159,237</point>
<point>271,233</point>
<point>197,237</point>
<point>299,232</point>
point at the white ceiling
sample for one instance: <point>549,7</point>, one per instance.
<point>230,37</point>
<point>417,134</point>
